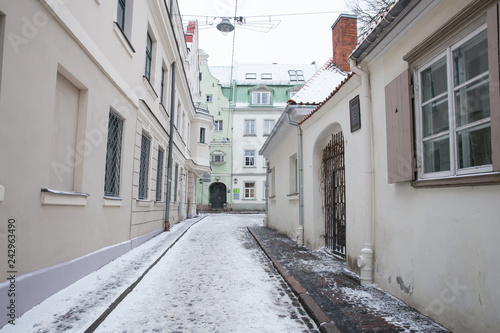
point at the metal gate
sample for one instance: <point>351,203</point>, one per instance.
<point>334,191</point>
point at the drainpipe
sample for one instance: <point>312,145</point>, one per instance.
<point>300,229</point>
<point>365,259</point>
<point>170,147</point>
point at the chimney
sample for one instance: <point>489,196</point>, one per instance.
<point>345,39</point>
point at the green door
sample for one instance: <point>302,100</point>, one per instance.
<point>218,195</point>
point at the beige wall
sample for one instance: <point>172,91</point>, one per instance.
<point>61,75</point>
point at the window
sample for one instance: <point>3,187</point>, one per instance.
<point>296,75</point>
<point>268,126</point>
<point>144,167</point>
<point>176,181</point>
<point>249,158</point>
<point>149,55</point>
<point>251,76</point>
<point>249,190</point>
<point>249,127</point>
<point>454,110</point>
<point>266,161</point>
<point>162,86</point>
<point>209,98</point>
<point>202,134</point>
<point>218,125</point>
<point>218,157</point>
<point>159,174</point>
<point>113,156</point>
<point>266,76</point>
<point>293,174</point>
<point>120,15</point>
<point>272,183</point>
<point>261,97</point>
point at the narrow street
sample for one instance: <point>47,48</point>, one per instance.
<point>215,278</point>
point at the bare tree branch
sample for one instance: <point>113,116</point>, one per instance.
<point>368,12</point>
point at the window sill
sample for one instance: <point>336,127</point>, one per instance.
<point>159,203</point>
<point>293,196</point>
<point>144,203</point>
<point>63,198</point>
<point>249,135</point>
<point>124,40</point>
<point>476,180</point>
<point>249,199</point>
<point>148,84</point>
<point>165,109</point>
<point>112,201</point>
<point>250,167</point>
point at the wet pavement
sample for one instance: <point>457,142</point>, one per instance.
<point>342,304</point>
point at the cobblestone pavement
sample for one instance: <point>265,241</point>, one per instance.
<point>351,307</point>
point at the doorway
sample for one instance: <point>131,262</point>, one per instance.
<point>218,195</point>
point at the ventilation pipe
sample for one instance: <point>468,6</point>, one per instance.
<point>365,259</point>
<point>300,229</point>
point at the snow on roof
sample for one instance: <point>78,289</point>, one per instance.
<point>268,74</point>
<point>320,86</point>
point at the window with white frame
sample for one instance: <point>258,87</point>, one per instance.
<point>261,97</point>
<point>162,86</point>
<point>218,125</point>
<point>249,127</point>
<point>120,15</point>
<point>218,157</point>
<point>251,76</point>
<point>202,134</point>
<point>454,134</point>
<point>293,174</point>
<point>249,158</point>
<point>268,126</point>
<point>266,76</point>
<point>272,183</point>
<point>249,190</point>
<point>144,167</point>
<point>149,56</point>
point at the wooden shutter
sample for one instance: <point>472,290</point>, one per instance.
<point>399,119</point>
<point>493,58</point>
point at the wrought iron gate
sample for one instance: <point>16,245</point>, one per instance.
<point>334,191</point>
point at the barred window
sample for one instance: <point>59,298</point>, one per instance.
<point>144,167</point>
<point>159,174</point>
<point>113,156</point>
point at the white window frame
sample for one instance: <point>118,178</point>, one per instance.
<point>249,158</point>
<point>267,127</point>
<point>452,130</point>
<point>249,126</point>
<point>252,190</point>
<point>218,155</point>
<point>261,97</point>
<point>218,125</point>
<point>251,76</point>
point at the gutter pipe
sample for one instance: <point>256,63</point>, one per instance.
<point>300,229</point>
<point>365,259</point>
<point>170,147</point>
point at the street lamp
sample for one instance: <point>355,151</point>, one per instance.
<point>225,26</point>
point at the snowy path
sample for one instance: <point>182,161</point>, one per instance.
<point>215,279</point>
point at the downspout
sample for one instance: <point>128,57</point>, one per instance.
<point>170,147</point>
<point>365,259</point>
<point>300,229</point>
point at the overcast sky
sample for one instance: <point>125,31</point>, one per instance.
<point>297,39</point>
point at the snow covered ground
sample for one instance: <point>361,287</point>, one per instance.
<point>214,279</point>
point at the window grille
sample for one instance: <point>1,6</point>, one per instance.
<point>144,167</point>
<point>149,52</point>
<point>120,15</point>
<point>159,174</point>
<point>113,156</point>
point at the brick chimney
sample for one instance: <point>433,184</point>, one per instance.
<point>345,39</point>
<point>190,31</point>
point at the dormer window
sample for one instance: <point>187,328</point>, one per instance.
<point>261,95</point>
<point>218,157</point>
<point>251,76</point>
<point>266,76</point>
